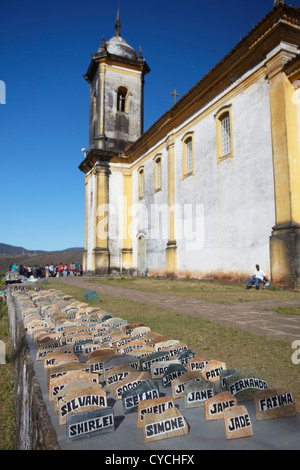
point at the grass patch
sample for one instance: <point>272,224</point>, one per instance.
<point>235,347</point>
<point>7,393</point>
<point>210,291</point>
<point>285,310</point>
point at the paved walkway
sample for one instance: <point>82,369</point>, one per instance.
<point>248,316</point>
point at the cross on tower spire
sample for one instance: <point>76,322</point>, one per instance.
<point>278,2</point>
<point>118,24</point>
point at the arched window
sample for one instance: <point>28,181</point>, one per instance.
<point>157,173</point>
<point>188,154</point>
<point>224,138</point>
<point>141,183</point>
<point>122,100</point>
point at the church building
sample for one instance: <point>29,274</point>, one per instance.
<point>213,186</point>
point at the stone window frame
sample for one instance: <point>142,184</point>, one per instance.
<point>141,182</point>
<point>122,92</point>
<point>188,163</point>
<point>224,113</point>
<point>157,173</point>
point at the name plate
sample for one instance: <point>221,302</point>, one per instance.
<point>185,356</point>
<point>168,424</point>
<point>245,384</point>
<point>96,364</point>
<point>212,370</point>
<point>196,393</point>
<point>154,357</point>
<point>179,384</point>
<point>214,407</point>
<point>82,400</point>
<point>120,360</point>
<point>237,422</point>
<point>114,376</point>
<point>156,406</point>
<point>58,383</point>
<point>147,390</point>
<point>158,369</point>
<point>173,371</point>
<point>89,424</point>
<point>274,403</point>
<point>131,381</point>
<point>74,385</point>
<point>62,369</point>
<point>197,363</point>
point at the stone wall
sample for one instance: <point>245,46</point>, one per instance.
<point>34,430</point>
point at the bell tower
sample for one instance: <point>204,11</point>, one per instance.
<point>116,78</point>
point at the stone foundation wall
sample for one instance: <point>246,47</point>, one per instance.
<point>34,430</point>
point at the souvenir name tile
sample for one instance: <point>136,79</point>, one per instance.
<point>96,363</point>
<point>166,344</point>
<point>158,369</point>
<point>244,384</point>
<point>65,359</point>
<point>100,352</point>
<point>71,386</point>
<point>89,348</point>
<point>58,383</point>
<point>114,376</point>
<point>214,407</point>
<point>89,424</point>
<point>170,423</point>
<point>147,390</point>
<point>79,344</point>
<point>152,338</point>
<point>185,356</point>
<point>49,360</point>
<point>156,406</point>
<point>212,370</point>
<point>274,403</point>
<point>176,349</point>
<point>42,353</point>
<point>128,329</point>
<point>154,357</point>
<point>224,374</point>
<point>173,371</point>
<point>196,393</point>
<point>119,343</point>
<point>139,333</point>
<point>133,346</point>
<point>81,400</point>
<point>197,363</point>
<point>179,384</point>
<point>143,352</point>
<point>62,369</point>
<point>237,422</point>
<point>129,382</point>
<point>120,360</point>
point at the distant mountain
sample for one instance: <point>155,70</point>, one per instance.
<point>19,250</point>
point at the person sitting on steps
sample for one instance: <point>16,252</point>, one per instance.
<point>258,277</point>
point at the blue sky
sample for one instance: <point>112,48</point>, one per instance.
<point>45,51</point>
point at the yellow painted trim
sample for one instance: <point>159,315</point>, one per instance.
<point>122,71</point>
<point>101,207</point>
<point>171,185</point>
<point>286,153</point>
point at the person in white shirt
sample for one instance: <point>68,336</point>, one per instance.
<point>258,277</point>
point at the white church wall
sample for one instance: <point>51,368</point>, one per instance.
<point>237,194</point>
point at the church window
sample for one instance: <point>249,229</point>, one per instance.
<point>141,183</point>
<point>188,154</point>
<point>122,100</point>
<point>157,174</point>
<point>224,133</point>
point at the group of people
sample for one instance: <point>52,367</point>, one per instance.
<point>74,269</point>
<point>52,270</point>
